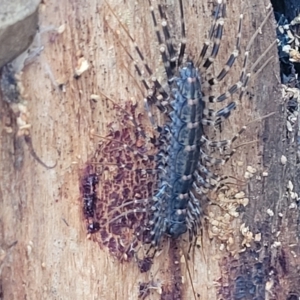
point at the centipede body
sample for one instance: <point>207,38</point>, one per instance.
<point>122,158</point>
<point>36,201</point>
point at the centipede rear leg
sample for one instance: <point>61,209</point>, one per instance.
<point>120,224</point>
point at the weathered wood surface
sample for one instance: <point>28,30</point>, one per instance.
<point>41,209</point>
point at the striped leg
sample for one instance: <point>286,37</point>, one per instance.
<point>194,213</point>
<point>241,84</point>
<point>168,53</point>
<point>244,77</point>
<point>226,143</point>
<point>233,56</point>
<point>216,42</point>
<point>216,118</point>
<point>157,94</point>
<point>220,7</point>
<point>209,82</point>
<point>128,115</point>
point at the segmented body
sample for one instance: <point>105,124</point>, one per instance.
<point>176,208</point>
<point>170,204</point>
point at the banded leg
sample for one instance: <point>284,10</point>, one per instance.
<point>205,172</point>
<point>129,116</point>
<point>148,207</point>
<point>167,50</point>
<point>240,85</point>
<point>183,37</point>
<point>136,152</point>
<point>216,118</point>
<point>232,57</point>
<point>244,77</point>
<point>194,213</point>
<point>226,143</point>
<point>216,45</point>
<point>235,53</point>
<point>151,94</point>
<point>208,160</point>
<point>206,180</point>
<point>116,143</point>
<point>168,40</point>
<point>136,206</point>
<point>220,7</point>
<point>125,214</point>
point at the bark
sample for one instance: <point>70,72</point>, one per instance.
<point>46,252</point>
<point>290,8</point>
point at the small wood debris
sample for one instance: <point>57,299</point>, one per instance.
<point>82,66</point>
<point>283,159</point>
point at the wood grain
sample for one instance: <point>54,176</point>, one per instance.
<point>42,210</point>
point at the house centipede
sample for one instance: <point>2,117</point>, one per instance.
<point>173,209</point>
